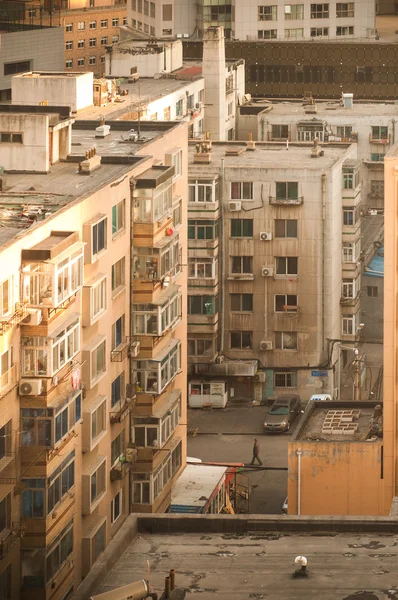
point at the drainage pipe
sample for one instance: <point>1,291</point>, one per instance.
<point>299,482</point>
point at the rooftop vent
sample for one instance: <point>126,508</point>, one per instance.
<point>102,131</point>
<point>203,151</point>
<point>250,145</point>
<point>348,100</point>
<point>234,151</point>
<point>91,163</point>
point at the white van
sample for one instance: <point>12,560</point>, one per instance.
<point>321,398</point>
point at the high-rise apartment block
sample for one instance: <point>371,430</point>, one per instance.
<point>92,337</point>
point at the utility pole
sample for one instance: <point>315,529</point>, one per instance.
<point>356,376</point>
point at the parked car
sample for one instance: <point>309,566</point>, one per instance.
<point>321,398</point>
<point>282,413</point>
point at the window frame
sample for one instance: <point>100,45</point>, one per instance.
<point>289,379</point>
<point>288,266</point>
<point>242,225</point>
<point>280,343</point>
<point>242,334</point>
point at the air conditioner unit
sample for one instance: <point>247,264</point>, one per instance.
<point>265,345</point>
<point>35,316</point>
<point>30,387</point>
<point>267,271</point>
<point>260,377</point>
<point>265,236</point>
<point>234,206</point>
<point>135,349</point>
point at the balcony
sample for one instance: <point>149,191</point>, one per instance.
<point>126,404</point>
<point>345,301</point>
<point>11,537</point>
<point>124,463</point>
<point>19,314</point>
<point>379,140</point>
<point>350,139</point>
<point>277,201</point>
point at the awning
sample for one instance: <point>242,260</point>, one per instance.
<point>235,368</point>
<point>68,321</point>
<point>94,280</point>
<point>170,401</point>
<point>168,293</point>
<point>159,357</point>
<point>73,249</point>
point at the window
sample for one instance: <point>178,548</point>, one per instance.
<point>286,190</point>
<point>7,297</point>
<point>5,513</point>
<point>379,133</point>
<point>203,191</point>
<point>176,456</point>
<point>152,29</point>
<point>294,34</point>
<point>153,376</point>
<point>93,25</point>
<point>267,13</point>
<point>92,60</point>
<point>150,319</point>
<point>6,364</point>
<point>98,483</point>
<point>166,114</point>
<point>241,190</point>
<point>141,488</point>
<point>350,252</point>
<point>285,379</point>
<point>118,389</point>
<point>241,227</point>
<point>179,108</point>
<point>147,434</point>
<point>202,230</point>
<point>177,214</point>
<point>117,447</point>
<point>377,157</point>
<point>104,23</point>
<point>104,41</point>
<point>80,43</point>
<point>115,22</point>
<point>139,25</point>
<point>320,11</point>
<point>350,288</point>
<point>69,45</point>
<point>348,325</point>
<point>33,498</point>
<point>99,235</point>
<point>242,264</point>
<point>206,268</point>
<point>242,340</point>
<point>294,11</point>
<point>98,365</point>
<point>98,299</point>
<point>68,64</point>
<point>115,39</point>
<point>59,551</point>
<point>241,302</point>
<point>98,421</point>
<point>118,336</point>
<point>349,216</point>
<point>69,27</point>
<point>60,482</point>
<point>102,58</point>
<point>80,62</point>
<point>350,178</point>
<point>11,138</point>
<point>98,543</point>
<point>116,506</point>
<point>280,132</point>
<point>344,31</point>
<point>64,346</point>
<point>81,25</point>
<point>118,274</point>
<point>152,10</point>
<point>286,340</point>
<point>17,67</point>
<point>372,291</point>
<point>286,265</point>
<point>92,42</point>
<point>167,12</point>
<point>319,31</point>
<point>267,34</point>
<point>285,303</point>
<point>118,217</point>
<point>6,440</point>
<point>345,9</point>
<point>285,228</point>
<point>202,305</point>
<point>377,189</point>
<point>200,347</point>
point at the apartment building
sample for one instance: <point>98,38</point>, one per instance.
<point>93,338</point>
<point>88,27</point>
<point>274,20</point>
<point>371,126</point>
<point>274,239</point>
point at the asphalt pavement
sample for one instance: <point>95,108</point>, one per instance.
<point>227,435</point>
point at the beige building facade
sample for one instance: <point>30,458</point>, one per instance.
<point>93,417</point>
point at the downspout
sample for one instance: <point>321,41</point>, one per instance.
<point>131,327</point>
<point>323,256</point>
<point>223,255</point>
<point>299,482</point>
<point>393,121</point>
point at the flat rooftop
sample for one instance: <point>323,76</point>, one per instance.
<point>337,422</point>
<point>266,155</point>
<point>231,557</point>
<point>326,109</point>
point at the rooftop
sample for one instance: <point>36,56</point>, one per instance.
<point>376,266</point>
<point>194,487</point>
<point>252,556</point>
<point>325,109</point>
<point>267,155</point>
<point>337,422</point>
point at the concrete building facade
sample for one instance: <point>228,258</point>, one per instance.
<point>258,21</point>
<point>93,400</point>
<point>274,240</point>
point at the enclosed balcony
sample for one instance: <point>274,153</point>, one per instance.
<point>156,318</point>
<point>52,271</point>
<point>154,375</point>
<point>152,197</point>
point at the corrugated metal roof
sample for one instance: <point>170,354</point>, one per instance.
<point>376,267</point>
<point>195,486</point>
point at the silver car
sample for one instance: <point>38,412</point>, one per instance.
<point>282,413</point>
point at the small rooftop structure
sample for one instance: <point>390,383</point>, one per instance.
<point>376,266</point>
<point>194,488</point>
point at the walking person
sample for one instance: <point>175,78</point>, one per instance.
<point>256,453</point>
